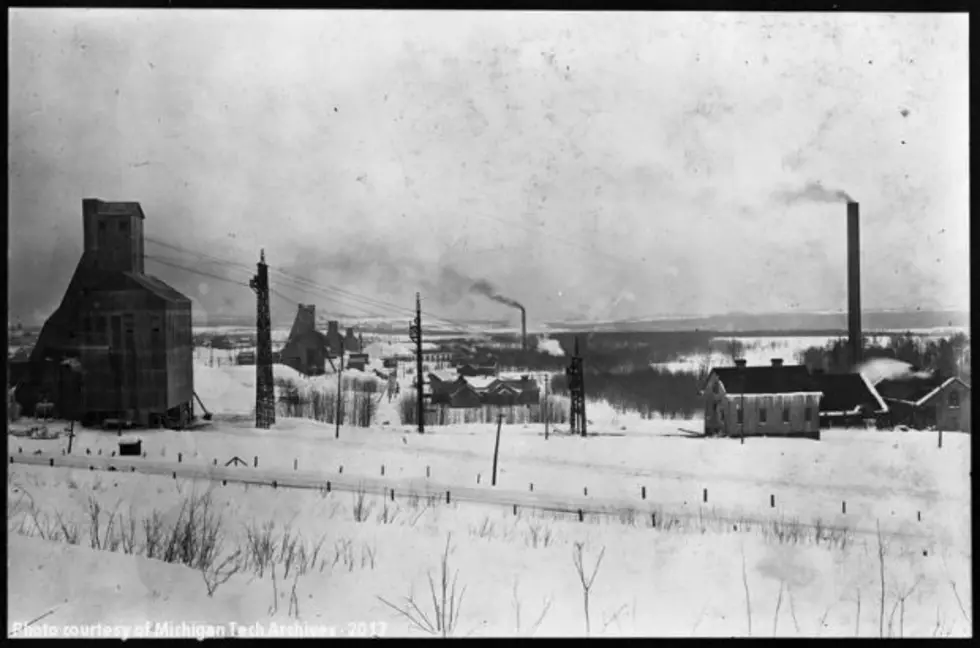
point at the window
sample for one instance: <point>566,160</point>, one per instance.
<point>123,226</point>
<point>785,415</point>
<point>102,227</point>
<point>762,415</point>
<point>954,399</point>
<point>738,414</point>
<point>808,414</point>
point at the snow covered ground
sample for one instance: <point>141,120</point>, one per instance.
<point>759,350</point>
<point>684,577</point>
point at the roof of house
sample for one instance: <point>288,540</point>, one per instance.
<point>112,207</point>
<point>157,287</point>
<point>847,392</point>
<point>766,380</point>
<point>909,389</point>
<point>480,382</point>
<point>939,388</point>
<point>445,376</point>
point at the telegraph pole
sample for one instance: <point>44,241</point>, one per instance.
<point>415,334</point>
<point>265,397</point>
<point>547,407</point>
<point>340,373</point>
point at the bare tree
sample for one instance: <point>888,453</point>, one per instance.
<point>586,582</point>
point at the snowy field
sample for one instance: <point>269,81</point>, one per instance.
<point>786,543</point>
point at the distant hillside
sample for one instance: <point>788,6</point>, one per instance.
<point>788,322</point>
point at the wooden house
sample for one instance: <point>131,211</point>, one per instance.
<point>921,403</point>
<point>847,399</point>
<point>507,391</point>
<point>130,333</point>
<point>773,400</point>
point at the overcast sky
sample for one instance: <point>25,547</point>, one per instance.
<point>588,165</point>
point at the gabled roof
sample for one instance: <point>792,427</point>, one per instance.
<point>480,382</point>
<point>910,389</point>
<point>115,207</point>
<point>934,392</point>
<point>847,392</point>
<point>766,380</point>
<point>157,287</point>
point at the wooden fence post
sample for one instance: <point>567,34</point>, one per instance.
<point>447,497</point>
<point>772,501</point>
<point>705,495</point>
<point>643,492</point>
<point>843,507</point>
<point>256,461</point>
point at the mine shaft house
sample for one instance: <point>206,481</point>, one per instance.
<point>773,400</point>
<point>119,344</point>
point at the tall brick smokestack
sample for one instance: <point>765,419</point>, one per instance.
<point>523,329</point>
<point>854,282</point>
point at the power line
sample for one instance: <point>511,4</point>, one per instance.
<point>324,289</point>
<point>292,301</point>
<point>241,268</point>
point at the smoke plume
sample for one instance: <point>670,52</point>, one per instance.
<point>878,369</point>
<point>814,192</point>
<point>485,288</point>
<point>549,346</point>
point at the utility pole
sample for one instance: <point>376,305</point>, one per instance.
<point>340,373</point>
<point>265,396</point>
<point>415,334</point>
<point>547,407</point>
<point>496,450</point>
<point>576,389</point>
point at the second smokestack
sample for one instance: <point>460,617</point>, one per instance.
<point>523,329</point>
<point>854,282</point>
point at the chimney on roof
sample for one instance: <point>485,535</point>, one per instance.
<point>740,362</point>
<point>777,362</point>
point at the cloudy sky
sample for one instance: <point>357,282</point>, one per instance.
<point>587,165</point>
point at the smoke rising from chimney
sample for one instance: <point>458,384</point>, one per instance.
<point>814,192</point>
<point>485,288</point>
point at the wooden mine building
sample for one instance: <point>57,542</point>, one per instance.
<point>119,345</point>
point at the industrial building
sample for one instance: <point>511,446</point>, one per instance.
<point>847,399</point>
<point>306,349</point>
<point>119,345</point>
<point>927,402</point>
<point>773,400</point>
